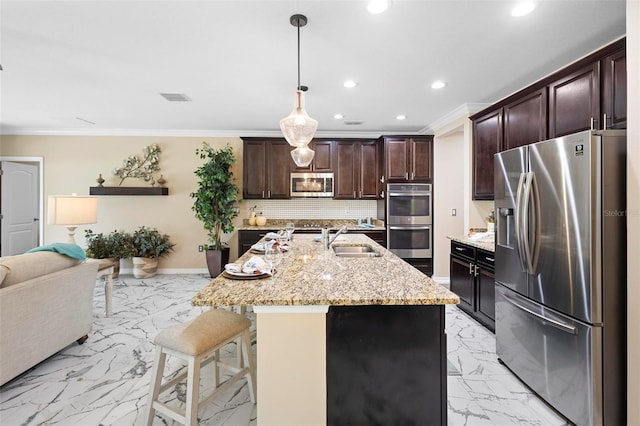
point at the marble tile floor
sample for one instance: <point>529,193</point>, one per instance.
<point>106,380</point>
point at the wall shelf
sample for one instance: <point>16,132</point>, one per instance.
<point>128,190</point>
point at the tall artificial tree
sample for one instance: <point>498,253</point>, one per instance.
<point>215,197</point>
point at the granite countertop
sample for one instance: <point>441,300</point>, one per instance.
<point>312,225</point>
<point>310,275</point>
<point>486,243</point>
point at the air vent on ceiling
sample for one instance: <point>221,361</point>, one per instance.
<point>353,122</point>
<point>176,97</point>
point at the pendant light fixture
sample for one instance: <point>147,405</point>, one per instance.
<point>298,128</point>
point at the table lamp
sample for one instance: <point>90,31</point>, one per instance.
<point>71,211</point>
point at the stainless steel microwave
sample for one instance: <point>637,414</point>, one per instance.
<point>311,184</point>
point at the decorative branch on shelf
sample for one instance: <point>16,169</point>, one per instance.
<point>133,167</point>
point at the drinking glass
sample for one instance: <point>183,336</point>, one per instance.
<point>290,228</point>
<point>273,255</point>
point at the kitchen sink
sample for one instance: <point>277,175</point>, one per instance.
<point>355,250</point>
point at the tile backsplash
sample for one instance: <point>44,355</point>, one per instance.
<point>311,208</point>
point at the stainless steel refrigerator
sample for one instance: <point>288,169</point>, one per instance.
<point>561,272</point>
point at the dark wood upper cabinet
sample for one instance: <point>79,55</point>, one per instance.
<point>345,178</point>
<point>370,170</point>
<point>266,169</point>
<point>322,159</point>
<point>614,90</point>
<point>408,159</point>
<point>396,154</point>
<point>357,169</point>
<point>421,160</point>
<point>525,120</point>
<point>574,101</point>
<point>588,94</point>
<point>487,141</point>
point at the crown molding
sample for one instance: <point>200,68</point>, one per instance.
<point>191,133</point>
<point>464,110</point>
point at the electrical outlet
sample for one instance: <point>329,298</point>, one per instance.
<point>201,248</point>
<point>454,212</point>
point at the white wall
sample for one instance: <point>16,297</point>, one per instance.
<point>449,190</point>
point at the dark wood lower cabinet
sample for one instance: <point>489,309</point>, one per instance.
<point>471,277</point>
<point>386,365</point>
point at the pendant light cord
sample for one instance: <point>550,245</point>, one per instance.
<point>298,54</point>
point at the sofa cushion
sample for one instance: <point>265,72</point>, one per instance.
<point>3,273</point>
<point>24,267</point>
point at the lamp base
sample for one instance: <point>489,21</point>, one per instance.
<point>71,234</point>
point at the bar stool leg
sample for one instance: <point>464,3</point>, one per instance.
<point>156,374</point>
<point>193,391</point>
<point>250,362</point>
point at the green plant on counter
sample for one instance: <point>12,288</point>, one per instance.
<point>148,242</point>
<point>117,244</point>
<point>216,196</point>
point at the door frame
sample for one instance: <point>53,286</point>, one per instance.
<point>39,163</point>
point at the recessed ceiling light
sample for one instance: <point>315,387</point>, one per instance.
<point>350,84</point>
<point>377,6</point>
<point>523,8</point>
<point>338,116</point>
<point>401,117</point>
<point>438,84</point>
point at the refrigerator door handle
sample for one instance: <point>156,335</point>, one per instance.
<point>518,218</point>
<point>526,222</point>
<point>535,224</point>
<point>555,323</point>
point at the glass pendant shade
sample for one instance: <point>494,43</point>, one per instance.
<point>302,156</point>
<point>298,128</point>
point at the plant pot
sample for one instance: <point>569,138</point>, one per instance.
<point>145,267</point>
<point>216,260</point>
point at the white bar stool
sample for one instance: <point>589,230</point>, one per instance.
<point>197,342</point>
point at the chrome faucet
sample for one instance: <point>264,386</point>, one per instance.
<point>328,240</point>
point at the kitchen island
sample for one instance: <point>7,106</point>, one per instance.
<point>344,340</point>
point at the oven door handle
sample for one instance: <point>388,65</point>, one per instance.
<point>409,194</point>
<point>409,228</point>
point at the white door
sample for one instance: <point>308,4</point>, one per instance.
<point>19,208</point>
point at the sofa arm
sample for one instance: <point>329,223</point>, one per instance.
<point>41,316</point>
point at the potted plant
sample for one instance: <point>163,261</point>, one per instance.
<point>115,246</point>
<point>148,246</point>
<point>215,201</point>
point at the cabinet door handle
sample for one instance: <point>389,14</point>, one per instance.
<point>471,269</point>
<point>382,194</point>
<point>475,270</point>
<point>490,259</point>
<point>604,122</point>
<point>262,194</point>
<point>406,176</point>
<point>269,194</point>
<point>459,249</point>
<point>413,175</point>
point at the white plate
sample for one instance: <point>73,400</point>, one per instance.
<point>258,247</point>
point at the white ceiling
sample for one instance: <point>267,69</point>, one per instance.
<point>107,61</point>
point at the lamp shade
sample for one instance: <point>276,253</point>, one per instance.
<point>72,210</point>
<point>298,128</point>
<point>302,156</point>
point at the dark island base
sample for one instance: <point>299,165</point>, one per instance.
<point>386,365</point>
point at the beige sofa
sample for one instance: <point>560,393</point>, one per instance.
<point>46,302</point>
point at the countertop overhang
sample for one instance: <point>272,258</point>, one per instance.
<point>310,275</point>
<point>487,243</point>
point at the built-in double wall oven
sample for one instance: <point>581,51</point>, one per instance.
<point>409,220</point>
